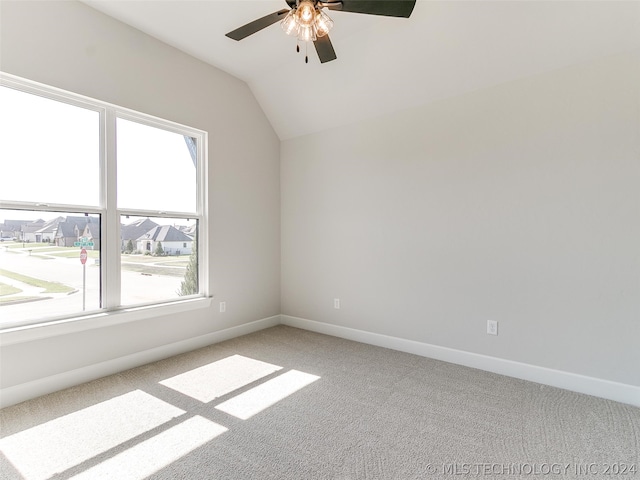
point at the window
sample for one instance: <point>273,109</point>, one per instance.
<point>101,208</point>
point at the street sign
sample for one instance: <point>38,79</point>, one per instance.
<point>83,256</point>
<point>83,243</point>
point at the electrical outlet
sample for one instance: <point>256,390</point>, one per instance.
<point>336,303</point>
<point>223,307</point>
<point>492,327</point>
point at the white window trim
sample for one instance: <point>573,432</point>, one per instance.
<point>111,312</point>
<point>66,326</point>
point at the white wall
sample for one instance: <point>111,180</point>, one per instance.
<point>519,203</point>
<point>71,46</point>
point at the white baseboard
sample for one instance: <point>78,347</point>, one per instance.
<point>619,392</point>
<point>26,391</point>
<point>597,387</point>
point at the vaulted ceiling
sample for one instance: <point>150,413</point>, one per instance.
<point>446,48</point>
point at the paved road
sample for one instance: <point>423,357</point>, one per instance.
<point>136,287</point>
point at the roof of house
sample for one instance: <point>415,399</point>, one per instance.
<point>50,225</point>
<point>165,233</point>
<point>92,229</point>
<point>29,228</point>
<point>66,229</point>
<point>25,227</point>
<point>82,221</point>
<point>16,225</point>
<point>136,229</point>
<point>6,228</point>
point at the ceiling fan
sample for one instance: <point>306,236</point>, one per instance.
<point>306,20</point>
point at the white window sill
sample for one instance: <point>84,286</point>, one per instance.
<point>28,333</point>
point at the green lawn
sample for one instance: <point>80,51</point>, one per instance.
<point>152,259</point>
<point>177,263</point>
<point>50,287</point>
<point>8,289</point>
<point>41,249</point>
<point>26,245</point>
<point>153,270</point>
<point>5,301</point>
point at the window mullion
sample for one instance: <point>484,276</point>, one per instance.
<point>111,219</point>
<point>204,278</point>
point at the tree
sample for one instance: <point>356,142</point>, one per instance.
<point>159,251</point>
<point>189,285</point>
<point>129,247</point>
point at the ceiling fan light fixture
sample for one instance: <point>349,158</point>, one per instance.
<point>290,24</point>
<point>323,23</point>
<point>306,13</point>
<point>307,22</point>
<point>307,33</point>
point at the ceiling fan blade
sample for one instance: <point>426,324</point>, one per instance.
<point>325,50</point>
<point>387,8</point>
<point>257,25</point>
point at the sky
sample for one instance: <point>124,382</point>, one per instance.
<point>49,153</point>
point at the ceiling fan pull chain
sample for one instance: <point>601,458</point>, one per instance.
<point>306,52</point>
<point>298,46</point>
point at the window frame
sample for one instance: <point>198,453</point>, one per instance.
<point>110,215</point>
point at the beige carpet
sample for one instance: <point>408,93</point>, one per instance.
<point>284,403</point>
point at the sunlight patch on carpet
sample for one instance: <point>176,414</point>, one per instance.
<point>57,445</point>
<point>216,379</point>
<point>257,399</point>
<point>152,455</point>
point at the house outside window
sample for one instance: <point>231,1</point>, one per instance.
<point>119,187</point>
